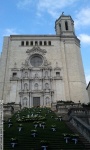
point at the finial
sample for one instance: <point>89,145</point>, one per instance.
<point>62,13</point>
<point>15,65</point>
<point>56,64</point>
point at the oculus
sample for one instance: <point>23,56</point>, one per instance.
<point>36,60</point>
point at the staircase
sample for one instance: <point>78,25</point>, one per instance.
<point>81,137</point>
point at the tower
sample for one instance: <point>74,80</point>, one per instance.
<point>64,26</point>
<point>74,78</point>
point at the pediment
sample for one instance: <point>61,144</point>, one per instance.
<point>36,49</point>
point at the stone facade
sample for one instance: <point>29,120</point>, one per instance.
<point>39,70</point>
<point>88,90</point>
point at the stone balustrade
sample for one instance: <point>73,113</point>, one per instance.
<point>81,126</point>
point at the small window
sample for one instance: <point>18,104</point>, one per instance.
<point>22,43</point>
<point>14,74</point>
<point>31,43</point>
<point>60,25</point>
<point>49,42</point>
<point>36,42</point>
<point>45,43</point>
<point>58,74</point>
<point>66,25</point>
<point>27,43</point>
<point>40,42</point>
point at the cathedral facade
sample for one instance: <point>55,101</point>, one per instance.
<point>39,70</point>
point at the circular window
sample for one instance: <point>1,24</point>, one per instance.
<point>36,60</point>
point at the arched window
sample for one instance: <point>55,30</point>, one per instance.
<point>36,60</point>
<point>40,43</point>
<point>45,43</point>
<point>31,43</point>
<point>22,43</point>
<point>49,43</point>
<point>27,43</point>
<point>36,43</point>
<point>66,25</point>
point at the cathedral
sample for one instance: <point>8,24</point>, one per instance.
<point>39,70</point>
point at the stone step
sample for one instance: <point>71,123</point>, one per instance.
<point>81,137</point>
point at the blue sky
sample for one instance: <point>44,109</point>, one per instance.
<point>38,17</point>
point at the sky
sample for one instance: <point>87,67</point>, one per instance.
<point>39,16</point>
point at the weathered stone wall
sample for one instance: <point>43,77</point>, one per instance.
<point>62,56</point>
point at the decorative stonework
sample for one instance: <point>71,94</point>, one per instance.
<point>57,68</point>
<point>15,67</point>
<point>36,50</point>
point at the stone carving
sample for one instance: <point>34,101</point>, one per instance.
<point>57,68</point>
<point>25,86</point>
<point>47,100</point>
<point>24,101</point>
<point>36,49</point>
<point>26,74</point>
<point>46,86</point>
<point>15,65</point>
<point>36,86</point>
<point>46,73</point>
<point>46,63</point>
<point>36,75</point>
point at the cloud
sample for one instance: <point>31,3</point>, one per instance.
<point>83,17</point>
<point>87,79</point>
<point>23,4</point>
<point>53,7</point>
<point>9,31</point>
<point>84,38</point>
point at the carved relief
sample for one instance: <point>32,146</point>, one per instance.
<point>46,86</point>
<point>24,102</point>
<point>35,50</point>
<point>36,86</point>
<point>25,86</point>
<point>26,74</point>
<point>47,99</point>
<point>57,68</point>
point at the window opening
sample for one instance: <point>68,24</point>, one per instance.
<point>31,42</point>
<point>40,42</point>
<point>14,74</point>
<point>45,43</point>
<point>58,74</point>
<point>49,42</point>
<point>27,43</point>
<point>36,43</point>
<point>36,61</point>
<point>66,25</point>
<point>22,43</point>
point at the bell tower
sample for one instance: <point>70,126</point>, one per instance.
<point>64,26</point>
